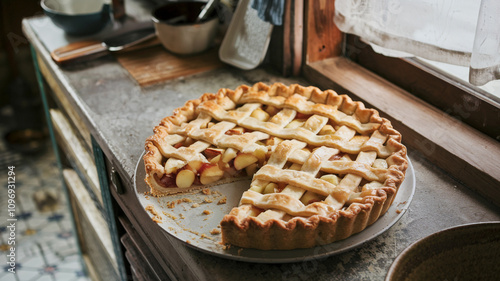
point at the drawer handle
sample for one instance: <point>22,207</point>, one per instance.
<point>115,179</point>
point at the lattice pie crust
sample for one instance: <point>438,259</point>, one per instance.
<point>324,167</point>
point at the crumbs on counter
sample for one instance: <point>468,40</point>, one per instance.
<point>169,215</point>
<point>204,196</point>
<point>150,208</point>
<point>215,231</point>
<point>206,237</point>
<point>156,217</point>
<point>223,200</point>
<point>172,204</point>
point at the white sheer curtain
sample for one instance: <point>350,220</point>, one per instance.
<point>460,32</point>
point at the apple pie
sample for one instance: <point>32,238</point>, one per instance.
<point>323,167</point>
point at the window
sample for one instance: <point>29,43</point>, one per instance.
<point>453,34</point>
<point>459,99</point>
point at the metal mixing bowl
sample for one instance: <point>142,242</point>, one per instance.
<point>177,31</point>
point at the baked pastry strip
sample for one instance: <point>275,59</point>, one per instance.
<point>302,134</point>
<point>310,100</point>
<point>311,166</point>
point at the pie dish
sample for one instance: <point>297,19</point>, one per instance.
<point>323,167</point>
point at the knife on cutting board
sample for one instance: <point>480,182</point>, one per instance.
<point>86,50</point>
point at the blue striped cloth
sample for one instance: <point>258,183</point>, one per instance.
<point>270,10</point>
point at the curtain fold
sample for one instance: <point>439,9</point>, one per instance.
<point>485,59</point>
<point>459,32</point>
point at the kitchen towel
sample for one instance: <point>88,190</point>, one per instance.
<point>270,10</point>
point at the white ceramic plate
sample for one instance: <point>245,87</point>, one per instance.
<point>183,217</point>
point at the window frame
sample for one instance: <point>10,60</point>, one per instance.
<point>464,102</point>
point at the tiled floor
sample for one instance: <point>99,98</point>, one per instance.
<point>45,245</point>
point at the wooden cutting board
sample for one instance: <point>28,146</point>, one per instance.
<point>155,64</point>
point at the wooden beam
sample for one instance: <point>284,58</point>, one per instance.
<point>298,36</point>
<point>323,38</point>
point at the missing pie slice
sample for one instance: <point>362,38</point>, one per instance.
<point>324,167</point>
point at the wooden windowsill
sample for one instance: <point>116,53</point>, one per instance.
<point>465,153</point>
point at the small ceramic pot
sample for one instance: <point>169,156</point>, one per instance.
<point>177,31</point>
<point>77,17</point>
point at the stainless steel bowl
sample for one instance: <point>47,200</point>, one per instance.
<point>177,31</point>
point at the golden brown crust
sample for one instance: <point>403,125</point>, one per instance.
<point>298,232</point>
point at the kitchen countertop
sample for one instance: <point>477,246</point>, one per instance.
<point>121,115</point>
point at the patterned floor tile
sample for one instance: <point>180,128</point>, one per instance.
<point>46,248</point>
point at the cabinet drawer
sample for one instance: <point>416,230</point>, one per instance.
<point>76,152</point>
<point>61,99</point>
<point>92,228</point>
<point>141,260</point>
<point>139,266</point>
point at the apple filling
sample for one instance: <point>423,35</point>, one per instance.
<point>227,163</point>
